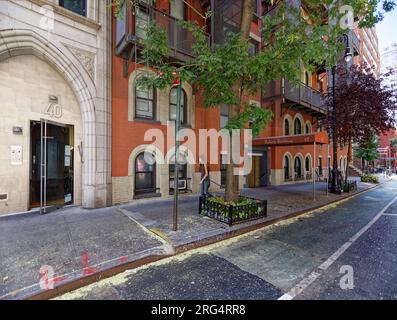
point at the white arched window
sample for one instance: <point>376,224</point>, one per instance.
<point>287,129</point>
<point>298,167</point>
<point>287,168</point>
<point>297,126</point>
<point>145,173</point>
<point>308,127</point>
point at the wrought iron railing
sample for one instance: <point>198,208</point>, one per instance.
<point>180,39</point>
<point>232,214</point>
<point>296,93</point>
<point>303,94</point>
<point>271,11</point>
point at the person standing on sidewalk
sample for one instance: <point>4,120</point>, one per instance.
<point>205,176</point>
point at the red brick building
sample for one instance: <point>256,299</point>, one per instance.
<point>388,157</point>
<point>367,41</point>
<point>298,143</point>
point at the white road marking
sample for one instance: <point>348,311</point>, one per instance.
<point>302,285</point>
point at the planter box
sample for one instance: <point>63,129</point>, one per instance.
<point>232,214</point>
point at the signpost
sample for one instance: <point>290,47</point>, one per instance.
<point>177,143</point>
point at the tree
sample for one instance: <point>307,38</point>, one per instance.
<point>227,74</point>
<point>364,108</point>
<point>368,151</point>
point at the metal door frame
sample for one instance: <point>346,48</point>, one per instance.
<point>44,209</point>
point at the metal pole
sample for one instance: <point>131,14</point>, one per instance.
<point>314,171</point>
<point>45,166</point>
<point>41,164</point>
<point>335,186</point>
<point>389,158</point>
<point>389,155</point>
<point>328,166</point>
<point>177,143</point>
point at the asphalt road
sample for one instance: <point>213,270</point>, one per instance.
<point>344,251</point>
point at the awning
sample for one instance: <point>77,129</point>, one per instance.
<point>301,139</point>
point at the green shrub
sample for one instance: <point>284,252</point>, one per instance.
<point>241,201</point>
<point>369,178</point>
<point>240,204</point>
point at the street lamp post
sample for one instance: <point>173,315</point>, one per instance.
<point>177,143</point>
<point>335,186</point>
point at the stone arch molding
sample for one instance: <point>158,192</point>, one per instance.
<point>15,42</point>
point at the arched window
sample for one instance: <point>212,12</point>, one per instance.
<point>298,167</point>
<point>145,173</point>
<point>286,168</point>
<point>297,126</point>
<point>286,127</point>
<point>308,128</point>
<point>174,105</point>
<point>145,105</point>
<point>320,166</point>
<point>307,164</point>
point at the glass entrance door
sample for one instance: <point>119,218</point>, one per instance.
<point>51,182</point>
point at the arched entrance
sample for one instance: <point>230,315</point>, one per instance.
<point>298,168</point>
<point>51,74</point>
<point>287,168</point>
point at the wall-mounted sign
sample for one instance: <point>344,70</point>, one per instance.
<point>17,130</point>
<point>54,110</point>
<point>16,155</point>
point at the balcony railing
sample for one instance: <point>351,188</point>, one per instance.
<point>133,32</point>
<point>295,94</point>
<point>303,95</point>
<point>271,11</point>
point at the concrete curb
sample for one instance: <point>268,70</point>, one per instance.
<point>237,232</point>
<point>93,274</point>
<point>164,252</point>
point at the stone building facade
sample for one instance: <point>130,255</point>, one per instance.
<point>55,60</point>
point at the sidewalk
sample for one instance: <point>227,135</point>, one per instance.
<point>283,201</point>
<point>75,242</point>
<point>79,243</point>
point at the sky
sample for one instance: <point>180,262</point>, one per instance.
<point>387,30</point>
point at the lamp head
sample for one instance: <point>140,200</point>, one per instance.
<point>348,55</point>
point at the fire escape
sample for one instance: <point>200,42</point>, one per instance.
<point>131,31</point>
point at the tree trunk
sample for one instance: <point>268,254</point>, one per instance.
<point>232,180</point>
<point>362,165</point>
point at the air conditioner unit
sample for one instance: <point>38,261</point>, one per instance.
<point>182,184</point>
